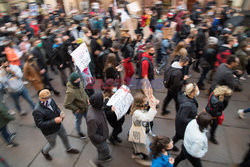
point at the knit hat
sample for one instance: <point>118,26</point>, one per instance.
<point>44,95</point>
<point>212,41</point>
<point>170,14</point>
<point>74,76</point>
<point>159,26</point>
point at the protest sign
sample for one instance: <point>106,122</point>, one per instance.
<point>134,8</point>
<point>33,9</point>
<point>81,56</point>
<point>121,101</point>
<point>168,32</point>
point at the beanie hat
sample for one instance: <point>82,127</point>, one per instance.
<point>159,26</point>
<point>212,41</point>
<point>170,14</point>
<point>74,76</point>
<point>44,94</point>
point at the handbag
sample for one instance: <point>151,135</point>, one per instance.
<point>137,134</point>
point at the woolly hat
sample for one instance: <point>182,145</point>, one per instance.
<point>212,41</point>
<point>74,76</point>
<point>44,94</point>
<point>159,26</point>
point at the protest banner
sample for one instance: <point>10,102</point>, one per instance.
<point>168,32</point>
<point>121,101</point>
<point>81,56</point>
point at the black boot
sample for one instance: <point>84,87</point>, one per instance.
<point>213,140</point>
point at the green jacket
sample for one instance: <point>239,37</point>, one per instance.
<point>5,117</point>
<point>243,59</point>
<point>76,98</point>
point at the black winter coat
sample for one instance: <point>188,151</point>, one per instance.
<point>214,106</point>
<point>40,54</point>
<point>44,118</point>
<point>187,112</point>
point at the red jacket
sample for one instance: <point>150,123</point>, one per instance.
<point>223,53</point>
<point>35,29</point>
<point>145,64</point>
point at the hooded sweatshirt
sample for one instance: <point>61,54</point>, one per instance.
<point>96,121</point>
<point>176,77</point>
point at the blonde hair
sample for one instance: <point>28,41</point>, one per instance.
<point>138,101</point>
<point>190,88</point>
<point>222,91</point>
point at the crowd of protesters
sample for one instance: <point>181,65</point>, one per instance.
<point>32,48</point>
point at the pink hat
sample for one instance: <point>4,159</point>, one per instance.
<point>170,15</point>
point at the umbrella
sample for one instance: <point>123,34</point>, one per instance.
<point>235,21</point>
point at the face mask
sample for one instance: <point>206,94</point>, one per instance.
<point>198,93</point>
<point>25,39</point>
<point>19,32</point>
<point>44,37</point>
<point>236,45</point>
<point>114,89</point>
<point>40,45</point>
<point>110,27</point>
<point>77,84</point>
<point>151,54</point>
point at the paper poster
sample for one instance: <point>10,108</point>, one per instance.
<point>134,8</point>
<point>81,56</point>
<point>168,32</point>
<point>121,100</point>
<point>33,9</point>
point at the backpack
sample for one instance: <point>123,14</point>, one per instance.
<point>167,77</point>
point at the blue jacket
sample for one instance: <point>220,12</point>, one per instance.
<point>161,161</point>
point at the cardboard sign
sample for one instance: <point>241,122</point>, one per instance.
<point>81,56</point>
<point>168,32</point>
<point>134,8</point>
<point>121,100</point>
<point>34,9</point>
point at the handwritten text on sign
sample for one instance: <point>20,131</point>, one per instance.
<point>81,56</point>
<point>121,100</point>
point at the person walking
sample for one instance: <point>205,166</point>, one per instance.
<point>48,118</point>
<point>188,106</point>
<point>97,126</point>
<point>195,143</point>
<point>76,100</point>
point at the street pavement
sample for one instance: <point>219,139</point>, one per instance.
<point>233,135</point>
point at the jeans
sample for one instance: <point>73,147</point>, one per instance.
<point>214,126</point>
<point>6,134</point>
<point>165,59</point>
<point>196,162</point>
<point>78,120</point>
<point>24,92</point>
<point>52,140</point>
<point>171,95</point>
<point>158,56</point>
<point>205,70</point>
<point>246,110</point>
<point>103,151</point>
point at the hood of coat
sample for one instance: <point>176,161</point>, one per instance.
<point>182,98</point>
<point>96,101</point>
<point>176,65</point>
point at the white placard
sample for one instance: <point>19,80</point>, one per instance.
<point>34,9</point>
<point>134,7</point>
<point>121,100</point>
<point>81,56</point>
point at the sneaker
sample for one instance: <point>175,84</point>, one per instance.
<point>47,156</point>
<point>109,158</point>
<point>23,113</point>
<point>11,112</point>
<point>12,136</point>
<point>176,149</point>
<point>213,140</point>
<point>165,112</point>
<point>157,72</point>
<point>112,140</point>
<point>82,136</point>
<point>241,113</point>
<point>118,139</point>
<point>243,78</point>
<point>73,151</point>
<point>12,144</point>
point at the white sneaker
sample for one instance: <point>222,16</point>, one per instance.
<point>157,72</point>
<point>241,113</point>
<point>243,78</point>
<point>23,113</point>
<point>11,112</point>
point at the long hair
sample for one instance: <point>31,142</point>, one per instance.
<point>110,62</point>
<point>160,143</point>
<point>180,46</point>
<point>138,101</point>
<point>222,91</point>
